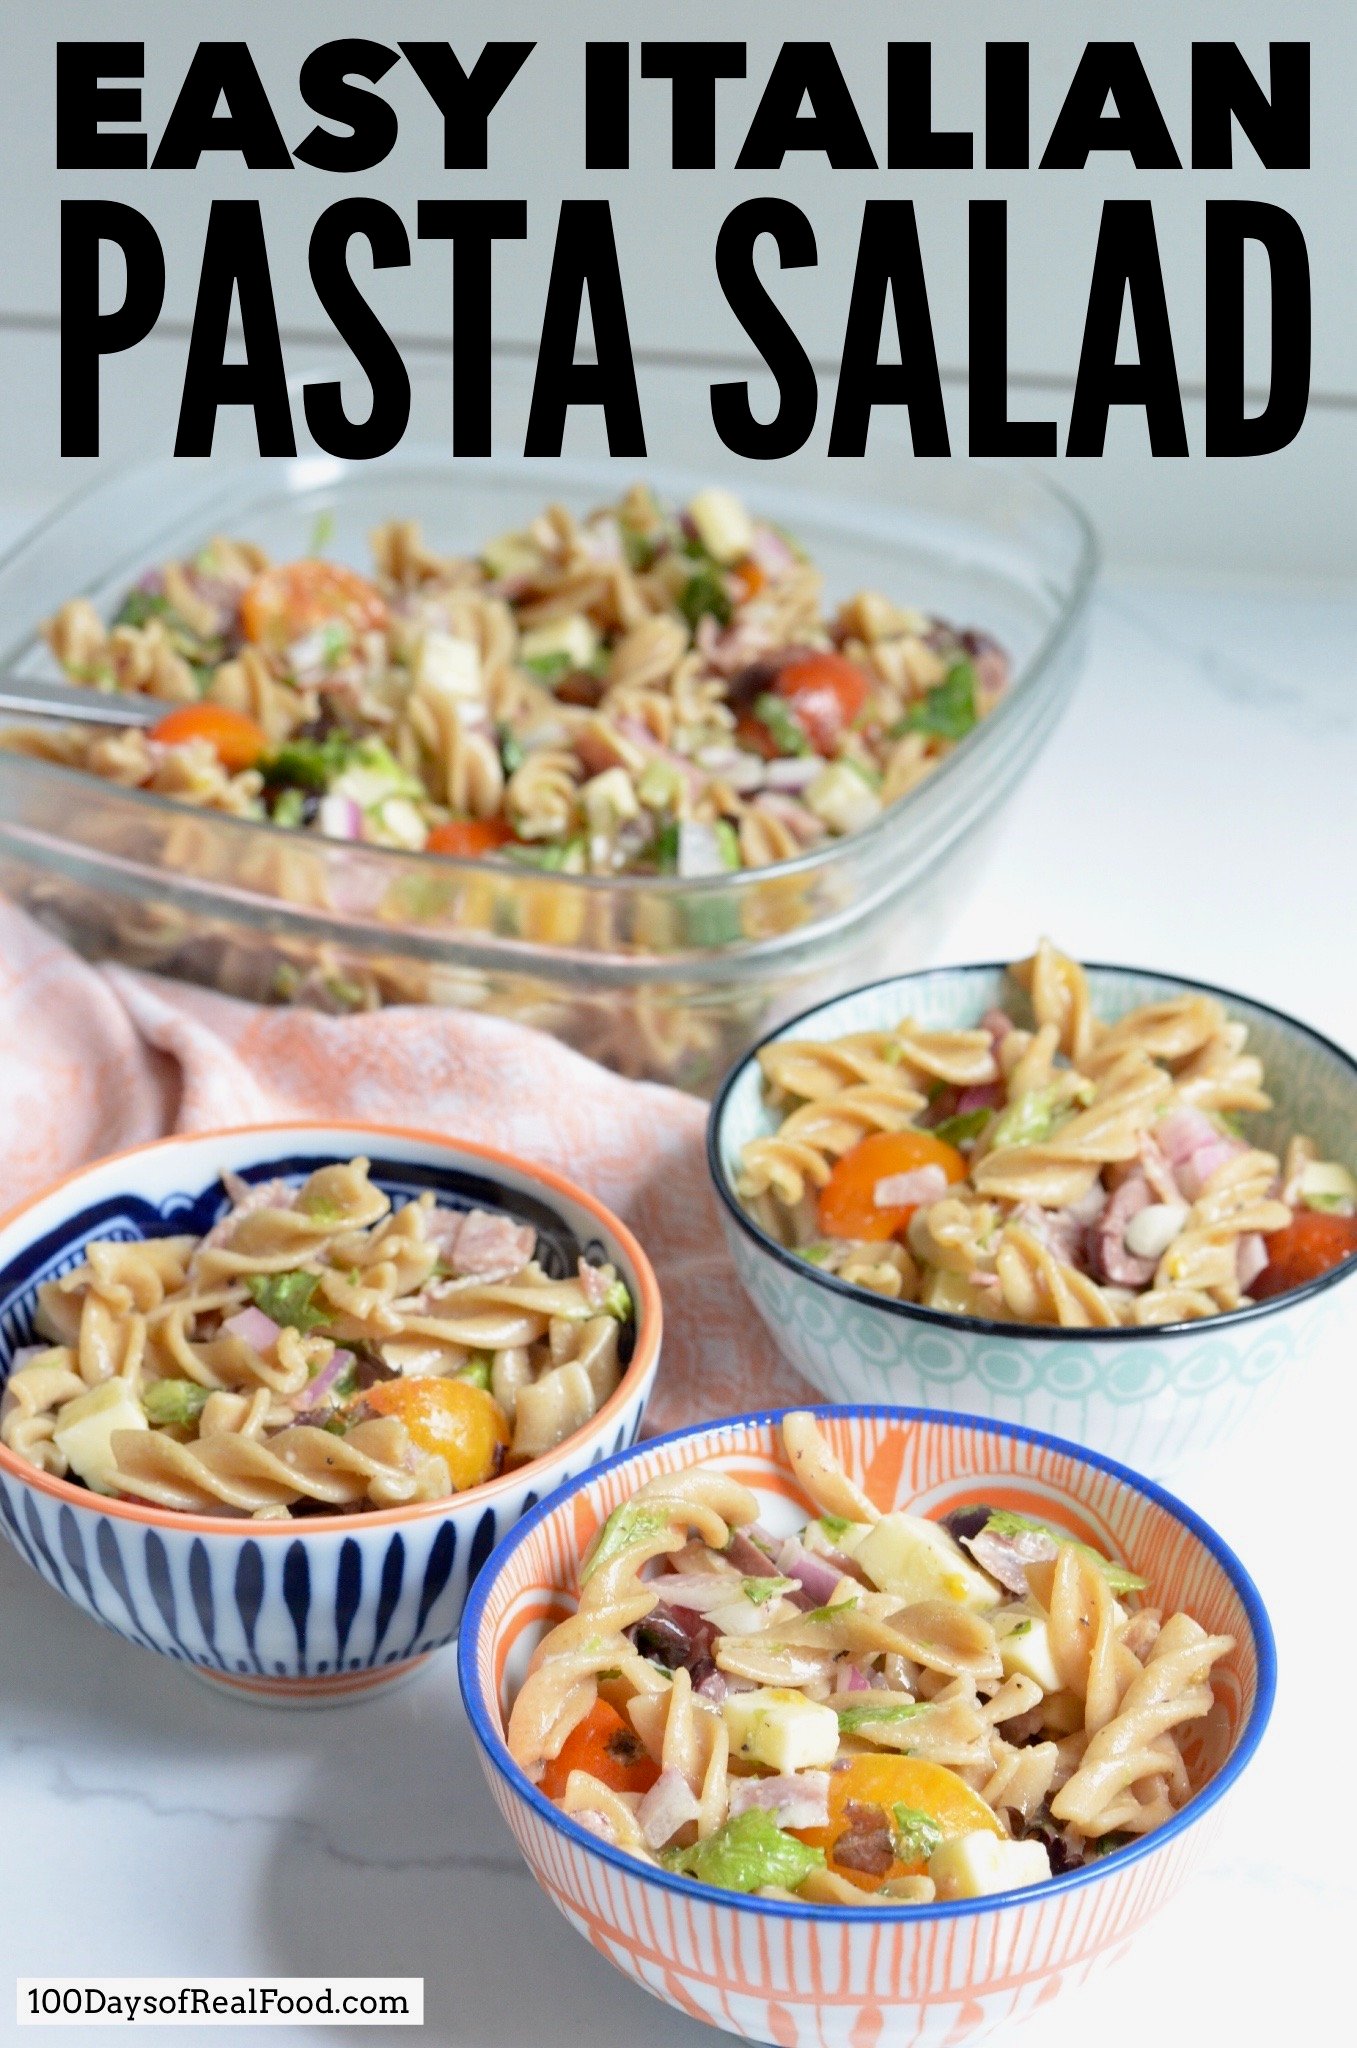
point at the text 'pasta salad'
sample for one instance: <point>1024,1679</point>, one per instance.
<point>1069,1171</point>
<point>318,1350</point>
<point>642,690</point>
<point>880,1709</point>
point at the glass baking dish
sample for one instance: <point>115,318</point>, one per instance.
<point>658,976</point>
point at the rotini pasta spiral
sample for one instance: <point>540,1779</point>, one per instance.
<point>1049,1167</point>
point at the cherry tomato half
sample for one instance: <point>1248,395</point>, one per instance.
<point>235,738</point>
<point>848,1205</point>
<point>1311,1244</point>
<point>826,692</point>
<point>468,837</point>
<point>285,603</point>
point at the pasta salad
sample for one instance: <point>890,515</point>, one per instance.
<point>879,1709</point>
<point>644,690</point>
<point>318,1350</point>
<point>1067,1170</point>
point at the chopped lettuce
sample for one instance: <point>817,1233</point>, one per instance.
<point>170,1401</point>
<point>617,1302</point>
<point>139,607</point>
<point>1004,1522</point>
<point>1029,1119</point>
<point>878,1710</point>
<point>959,1130</point>
<point>916,1834</point>
<point>287,1299</point>
<point>705,593</point>
<point>947,712</point>
<point>746,1854</point>
<point>313,764</point>
<point>632,1523</point>
<point>776,714</point>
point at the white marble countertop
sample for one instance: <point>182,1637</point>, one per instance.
<point>1195,812</point>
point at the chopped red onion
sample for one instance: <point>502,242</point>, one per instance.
<point>989,1095</point>
<point>339,817</point>
<point>794,774</point>
<point>998,1023</point>
<point>1184,1131</point>
<point>817,1576</point>
<point>324,1380</point>
<point>666,1807</point>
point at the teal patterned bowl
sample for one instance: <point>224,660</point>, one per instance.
<point>1153,1397</point>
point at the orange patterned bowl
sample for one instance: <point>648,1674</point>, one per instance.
<point>808,1976</point>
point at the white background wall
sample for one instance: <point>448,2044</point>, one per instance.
<point>1294,514</point>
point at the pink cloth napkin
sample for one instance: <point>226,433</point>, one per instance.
<point>93,1059</point>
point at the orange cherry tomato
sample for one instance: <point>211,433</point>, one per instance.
<point>236,740</point>
<point>469,837</point>
<point>827,691</point>
<point>886,1781</point>
<point>1311,1243</point>
<point>450,1419</point>
<point>749,579</point>
<point>285,603</point>
<point>848,1205</point>
<point>608,1749</point>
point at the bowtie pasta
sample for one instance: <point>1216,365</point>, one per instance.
<point>318,1349</point>
<point>641,690</point>
<point>881,1708</point>
<point>1067,1171</point>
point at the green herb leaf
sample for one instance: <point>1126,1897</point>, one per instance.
<point>761,1591</point>
<point>947,712</point>
<point>140,606</point>
<point>881,1711</point>
<point>312,764</point>
<point>1021,1628</point>
<point>630,1524</point>
<point>511,752</point>
<point>776,714</point>
<point>959,1130</point>
<point>703,594</point>
<point>828,1613</point>
<point>749,1852</point>
<point>171,1401</point>
<point>916,1833</point>
<point>835,1526</point>
<point>286,1299</point>
<point>547,666</point>
<point>816,1253</point>
<point>617,1302</point>
<point>289,809</point>
<point>476,1371</point>
<point>1005,1522</point>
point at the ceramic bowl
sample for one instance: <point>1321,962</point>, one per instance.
<point>843,1977</point>
<point>326,1607</point>
<point>1152,1396</point>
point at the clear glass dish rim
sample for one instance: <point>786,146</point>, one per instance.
<point>835,852</point>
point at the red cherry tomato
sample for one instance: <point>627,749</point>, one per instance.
<point>285,603</point>
<point>826,692</point>
<point>848,1205</point>
<point>468,837</point>
<point>1311,1244</point>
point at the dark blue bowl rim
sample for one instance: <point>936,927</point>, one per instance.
<point>985,1326</point>
<point>494,1749</point>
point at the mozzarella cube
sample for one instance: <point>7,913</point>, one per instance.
<point>972,1866</point>
<point>609,800</point>
<point>842,800</point>
<point>781,1728</point>
<point>723,526</point>
<point>918,1560</point>
<point>85,1426</point>
<point>573,640</point>
<point>401,823</point>
<point>448,667</point>
<point>1025,1652</point>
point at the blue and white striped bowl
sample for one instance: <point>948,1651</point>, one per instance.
<point>324,1608</point>
<point>1153,1397</point>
